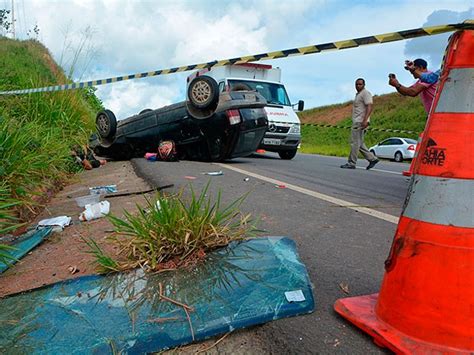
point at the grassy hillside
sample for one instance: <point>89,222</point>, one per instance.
<point>390,111</point>
<point>36,130</point>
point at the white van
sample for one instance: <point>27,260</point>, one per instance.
<point>284,134</point>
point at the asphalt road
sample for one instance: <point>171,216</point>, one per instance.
<point>342,221</point>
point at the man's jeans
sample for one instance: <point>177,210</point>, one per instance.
<point>358,145</point>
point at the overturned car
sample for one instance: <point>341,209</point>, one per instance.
<point>207,126</point>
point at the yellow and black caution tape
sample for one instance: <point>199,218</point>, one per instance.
<point>312,49</point>
<point>369,128</point>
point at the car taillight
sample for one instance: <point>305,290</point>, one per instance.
<point>233,116</point>
<point>411,147</point>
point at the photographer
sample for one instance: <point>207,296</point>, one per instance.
<point>425,90</point>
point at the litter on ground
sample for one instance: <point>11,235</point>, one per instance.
<point>94,211</point>
<point>214,173</point>
<point>61,222</point>
<point>239,286</point>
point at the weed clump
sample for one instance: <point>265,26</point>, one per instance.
<point>169,232</point>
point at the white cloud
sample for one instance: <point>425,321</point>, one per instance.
<point>432,48</point>
<point>128,98</point>
<point>128,37</point>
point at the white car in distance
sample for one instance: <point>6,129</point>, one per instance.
<point>395,148</point>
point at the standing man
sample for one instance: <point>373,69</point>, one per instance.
<point>361,110</point>
<point>426,89</point>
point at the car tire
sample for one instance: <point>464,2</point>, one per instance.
<point>373,152</point>
<point>287,154</point>
<point>398,157</point>
<point>203,92</point>
<point>145,111</point>
<point>106,124</point>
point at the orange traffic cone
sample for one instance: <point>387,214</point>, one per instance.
<point>426,301</point>
<point>409,172</point>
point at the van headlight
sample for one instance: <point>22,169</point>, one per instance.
<point>295,128</point>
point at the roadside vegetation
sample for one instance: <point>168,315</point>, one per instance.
<point>172,231</point>
<point>391,111</point>
<point>36,130</point>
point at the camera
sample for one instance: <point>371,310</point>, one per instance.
<point>408,65</point>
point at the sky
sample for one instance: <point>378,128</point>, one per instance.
<point>96,39</point>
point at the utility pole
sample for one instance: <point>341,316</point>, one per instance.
<point>13,19</point>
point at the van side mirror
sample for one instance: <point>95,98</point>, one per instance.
<point>300,105</point>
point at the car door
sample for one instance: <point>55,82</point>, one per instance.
<point>383,149</point>
<point>395,145</point>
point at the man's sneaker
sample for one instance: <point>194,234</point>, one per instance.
<point>372,164</point>
<point>348,166</point>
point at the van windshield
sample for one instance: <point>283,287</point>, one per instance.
<point>273,93</point>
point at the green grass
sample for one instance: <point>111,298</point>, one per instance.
<point>37,130</point>
<point>173,228</point>
<point>391,111</point>
<point>5,256</point>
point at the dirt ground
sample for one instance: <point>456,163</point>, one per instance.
<point>329,116</point>
<point>50,261</point>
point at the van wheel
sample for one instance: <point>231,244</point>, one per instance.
<point>203,92</point>
<point>398,157</point>
<point>106,124</point>
<point>287,154</point>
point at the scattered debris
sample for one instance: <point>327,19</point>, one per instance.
<point>150,156</point>
<point>246,179</point>
<point>82,201</point>
<point>260,151</point>
<point>73,269</point>
<point>23,244</point>
<point>344,287</point>
<point>214,173</point>
<point>102,190</point>
<point>295,296</point>
<point>266,265</point>
<point>337,342</point>
<point>190,177</point>
<point>58,223</point>
<point>137,192</point>
<point>281,186</point>
<point>95,211</point>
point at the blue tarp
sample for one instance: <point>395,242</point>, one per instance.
<point>245,284</point>
<point>24,243</point>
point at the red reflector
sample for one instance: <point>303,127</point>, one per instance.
<point>411,147</point>
<point>233,116</point>
<point>255,65</point>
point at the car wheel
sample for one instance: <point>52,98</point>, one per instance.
<point>398,157</point>
<point>106,124</point>
<point>287,154</point>
<point>145,111</point>
<point>373,152</point>
<point>203,92</point>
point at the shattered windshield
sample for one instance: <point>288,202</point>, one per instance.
<point>244,284</point>
<point>273,93</point>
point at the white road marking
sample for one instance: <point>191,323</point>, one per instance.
<point>380,215</point>
<point>381,170</point>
